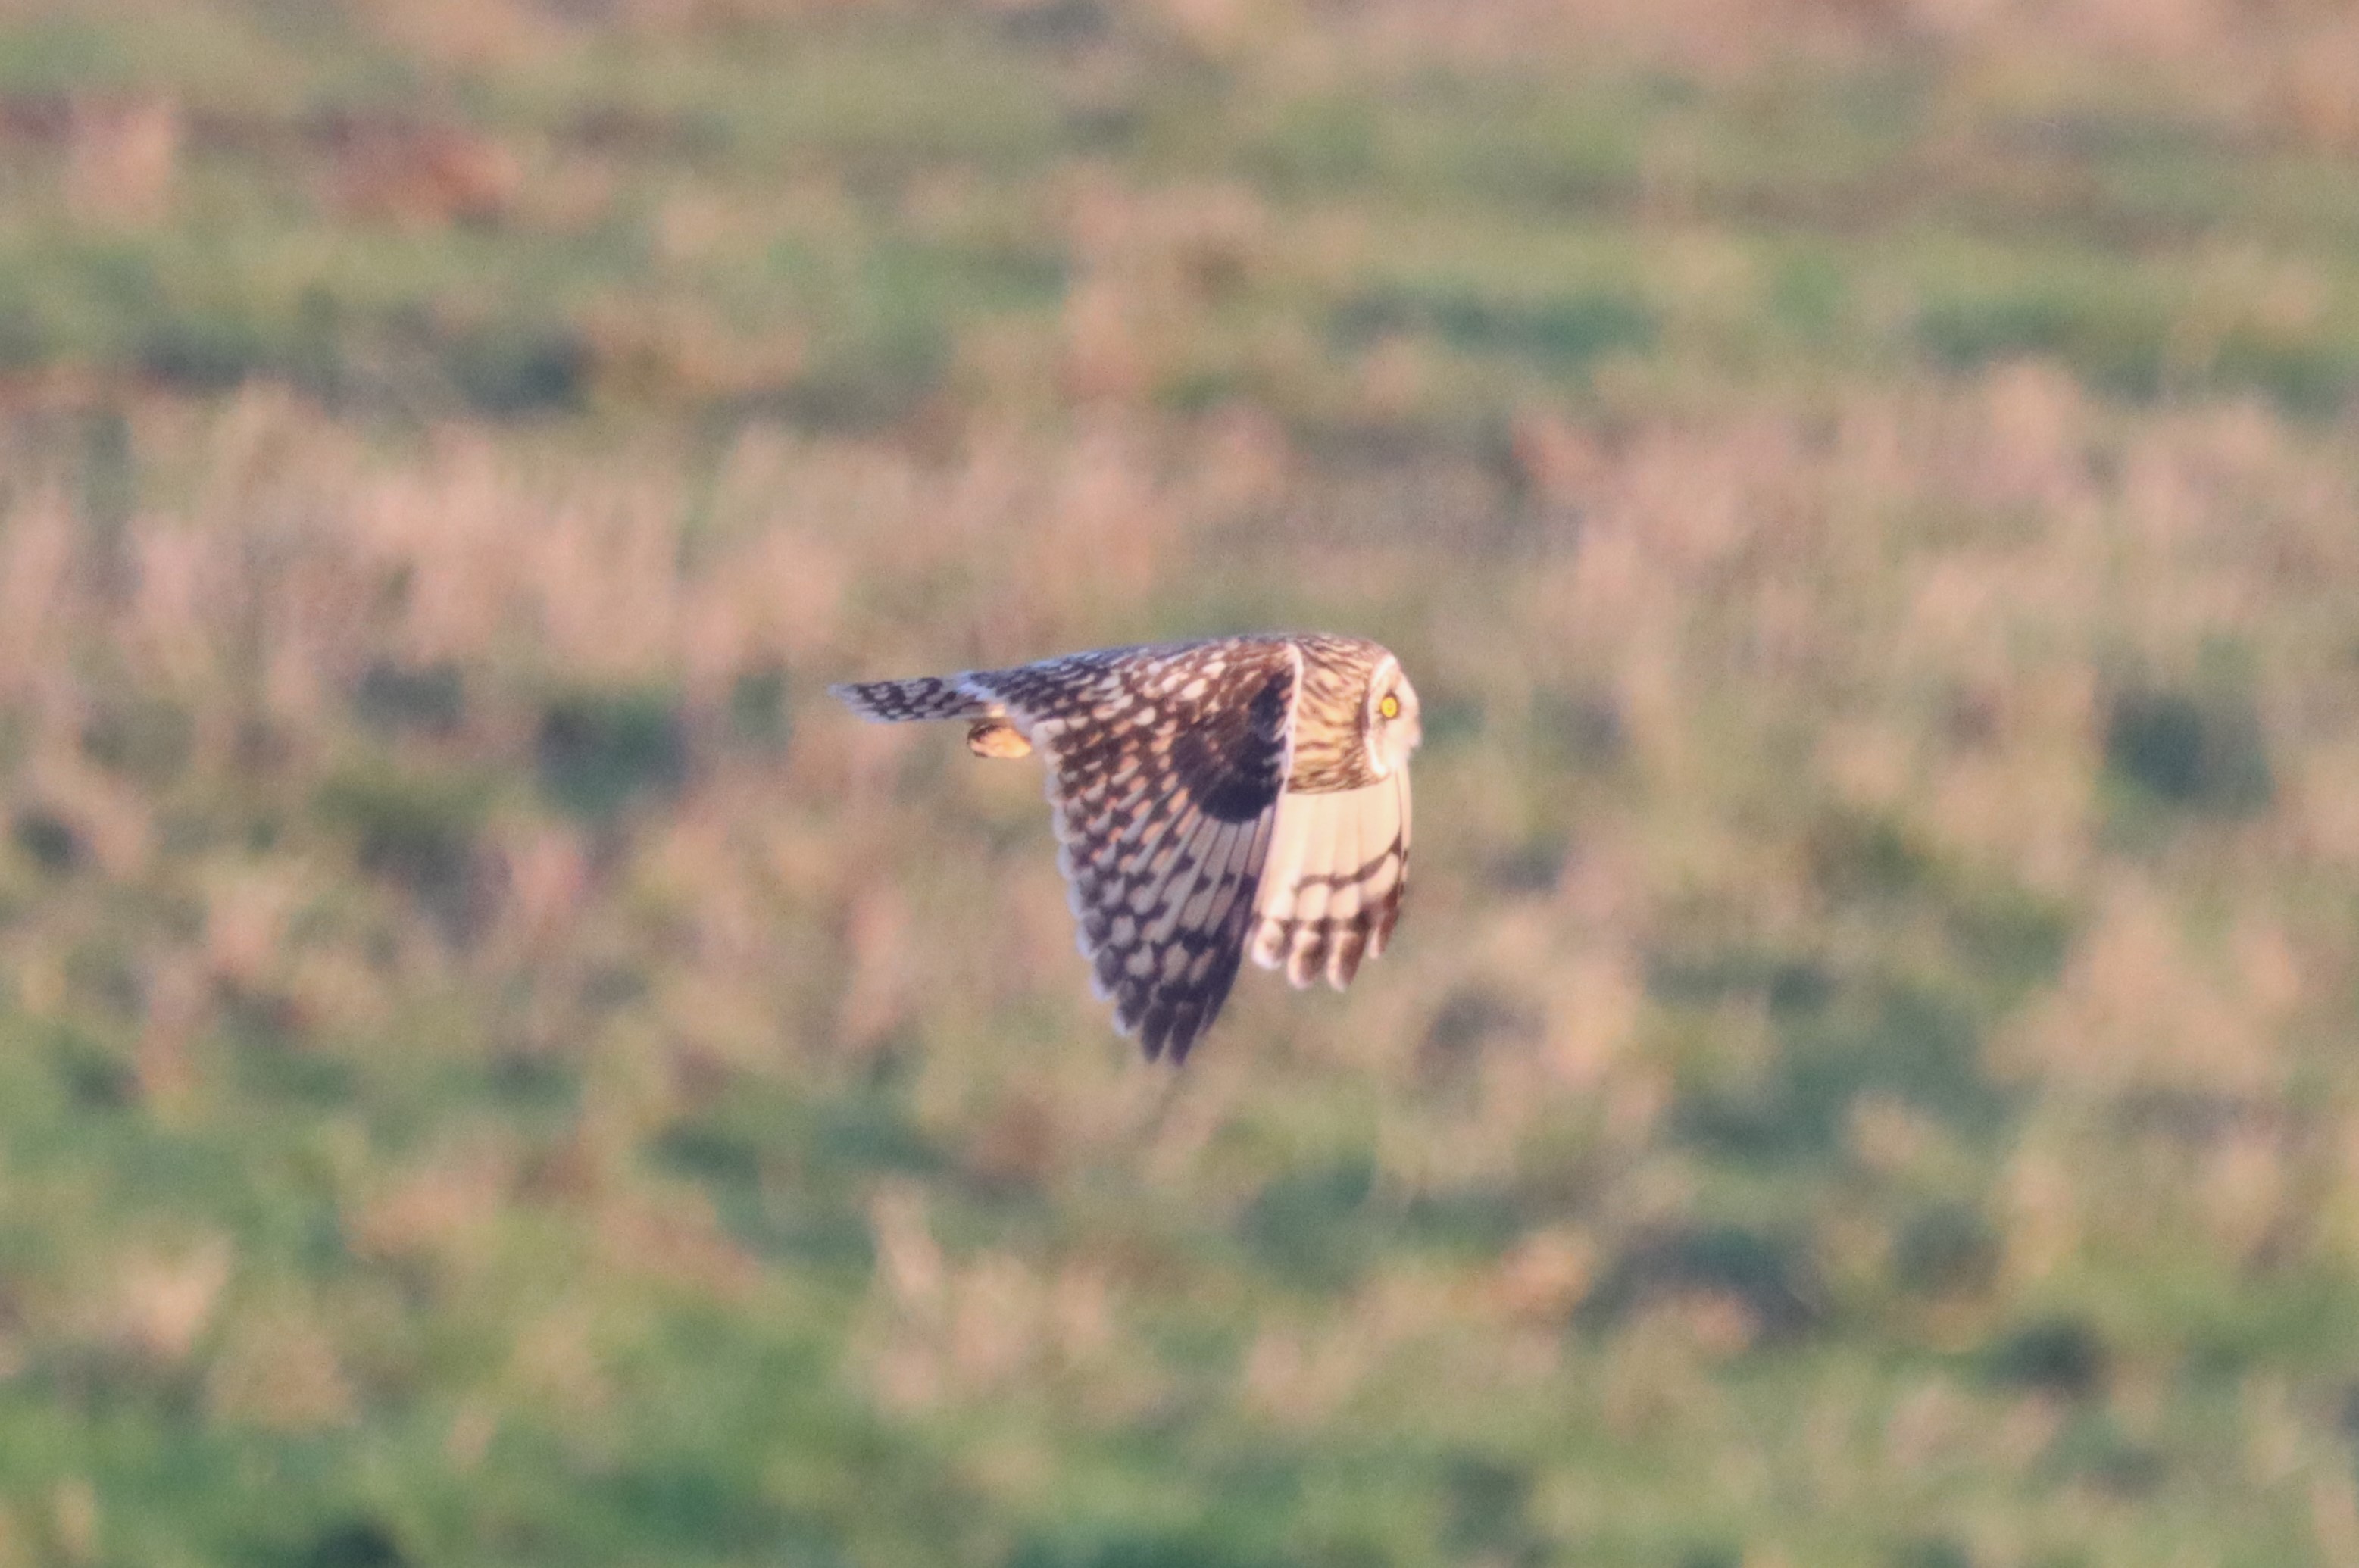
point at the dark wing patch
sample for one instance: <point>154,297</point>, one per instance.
<point>1165,769</point>
<point>1223,757</point>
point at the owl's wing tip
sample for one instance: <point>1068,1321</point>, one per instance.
<point>1172,1047</point>
<point>861,697</point>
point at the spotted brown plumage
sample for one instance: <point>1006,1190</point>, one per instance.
<point>1209,799</point>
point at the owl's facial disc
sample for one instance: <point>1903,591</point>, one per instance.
<point>1394,729</point>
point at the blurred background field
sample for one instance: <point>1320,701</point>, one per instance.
<point>496,1069</point>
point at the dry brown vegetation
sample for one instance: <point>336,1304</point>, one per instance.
<point>494,1067</point>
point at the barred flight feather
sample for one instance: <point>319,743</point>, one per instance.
<point>1337,874</point>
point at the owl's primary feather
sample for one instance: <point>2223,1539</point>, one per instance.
<point>1333,885</point>
<point>1207,797</point>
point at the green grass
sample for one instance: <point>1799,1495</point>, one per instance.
<point>494,1067</point>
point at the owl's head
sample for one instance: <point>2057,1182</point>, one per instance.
<point>1390,722</point>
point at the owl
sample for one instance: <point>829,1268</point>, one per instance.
<point>1209,799</point>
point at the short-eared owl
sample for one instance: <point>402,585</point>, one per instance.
<point>1209,797</point>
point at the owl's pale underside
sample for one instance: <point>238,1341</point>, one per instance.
<point>1210,798</point>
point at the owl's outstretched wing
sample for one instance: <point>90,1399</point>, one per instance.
<point>1332,889</point>
<point>1164,769</point>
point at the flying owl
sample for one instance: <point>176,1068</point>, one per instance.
<point>1209,798</point>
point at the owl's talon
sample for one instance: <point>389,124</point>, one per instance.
<point>997,737</point>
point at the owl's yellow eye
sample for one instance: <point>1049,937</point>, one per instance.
<point>1389,707</point>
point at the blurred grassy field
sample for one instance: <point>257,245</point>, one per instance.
<point>496,1069</point>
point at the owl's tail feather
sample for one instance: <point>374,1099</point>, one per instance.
<point>926,697</point>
